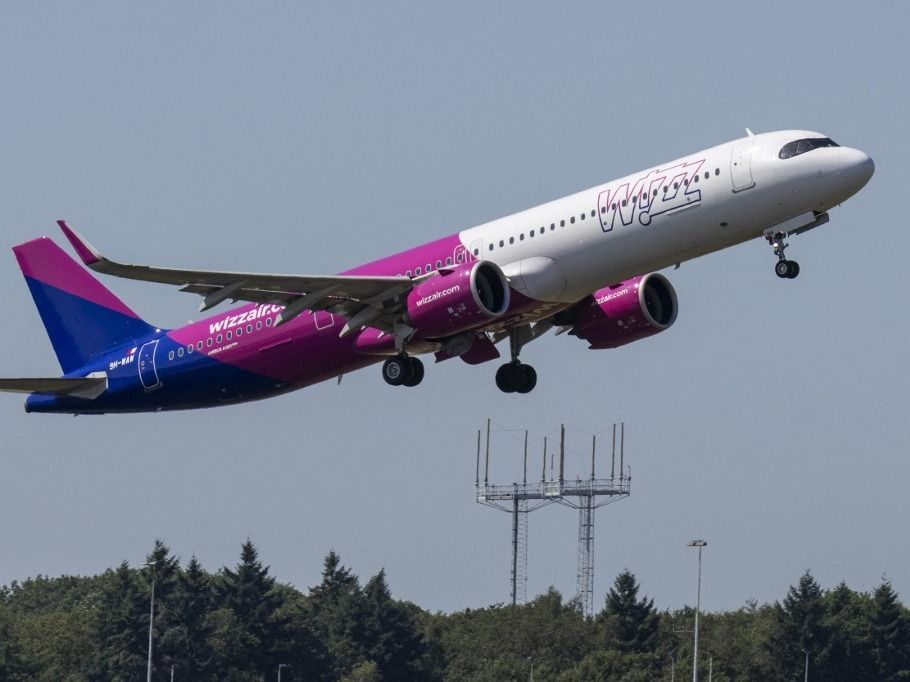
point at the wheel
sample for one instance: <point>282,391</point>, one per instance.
<point>506,377</point>
<point>782,268</point>
<point>794,269</point>
<point>527,379</point>
<point>396,370</point>
<point>416,368</point>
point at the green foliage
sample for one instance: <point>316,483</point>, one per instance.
<point>630,624</point>
<point>239,624</point>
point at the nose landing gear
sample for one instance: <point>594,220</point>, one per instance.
<point>786,269</point>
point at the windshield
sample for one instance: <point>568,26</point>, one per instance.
<point>807,144</point>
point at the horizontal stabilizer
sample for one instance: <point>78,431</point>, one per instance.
<point>85,387</point>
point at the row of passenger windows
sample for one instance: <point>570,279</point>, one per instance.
<point>603,209</point>
<point>219,338</point>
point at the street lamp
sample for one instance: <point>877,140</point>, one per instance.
<point>152,564</point>
<point>806,674</point>
<point>699,544</point>
<point>280,666</point>
<point>530,660</point>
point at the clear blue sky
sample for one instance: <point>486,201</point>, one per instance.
<point>303,137</point>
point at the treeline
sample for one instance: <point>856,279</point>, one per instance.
<point>240,624</point>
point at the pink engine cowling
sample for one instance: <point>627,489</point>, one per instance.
<point>637,308</point>
<point>457,299</point>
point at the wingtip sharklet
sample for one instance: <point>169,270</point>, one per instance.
<point>88,253</point>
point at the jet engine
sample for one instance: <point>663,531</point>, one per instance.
<point>623,313</point>
<point>457,299</point>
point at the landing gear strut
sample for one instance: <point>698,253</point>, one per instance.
<point>402,370</point>
<point>787,269</point>
<point>514,376</point>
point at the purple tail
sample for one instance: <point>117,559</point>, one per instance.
<point>82,317</point>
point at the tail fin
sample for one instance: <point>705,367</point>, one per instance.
<point>82,317</point>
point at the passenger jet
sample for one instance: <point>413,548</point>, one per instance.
<point>584,264</point>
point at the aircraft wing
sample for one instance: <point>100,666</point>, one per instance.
<point>373,299</point>
<point>87,387</point>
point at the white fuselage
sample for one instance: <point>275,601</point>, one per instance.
<point>665,214</point>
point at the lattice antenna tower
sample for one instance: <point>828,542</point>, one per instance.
<point>583,495</point>
<point>518,499</point>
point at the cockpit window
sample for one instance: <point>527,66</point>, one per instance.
<point>807,144</point>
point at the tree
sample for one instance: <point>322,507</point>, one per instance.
<point>848,654</point>
<point>186,630</point>
<point>392,639</point>
<point>630,624</point>
<point>122,625</point>
<point>890,634</point>
<point>248,593</point>
<point>337,613</point>
<point>801,628</point>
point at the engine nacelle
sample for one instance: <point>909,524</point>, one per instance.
<point>457,299</point>
<point>637,308</point>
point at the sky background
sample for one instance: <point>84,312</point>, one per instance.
<point>311,137</point>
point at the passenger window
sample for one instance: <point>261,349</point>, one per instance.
<point>623,202</point>
<point>417,271</point>
<point>562,223</point>
<point>199,345</point>
<point>582,216</point>
<point>249,329</point>
<point>218,338</point>
<point>572,220</point>
<point>511,240</point>
<point>592,213</point>
<point>521,237</point>
<point>449,260</point>
<point>180,352</point>
<point>501,243</point>
<point>189,349</point>
<point>268,322</point>
<point>476,252</point>
<point>438,264</point>
<point>170,355</point>
<point>635,199</point>
<point>239,332</point>
<point>460,257</point>
<point>407,274</point>
<point>491,246</point>
<point>707,175</point>
<point>209,342</point>
<point>430,265</point>
<point>552,226</point>
<point>230,335</point>
<point>695,179</point>
<point>258,325</point>
<point>717,171</point>
<point>532,233</point>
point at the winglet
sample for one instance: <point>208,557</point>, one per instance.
<point>88,253</point>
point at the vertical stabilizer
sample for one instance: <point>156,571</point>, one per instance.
<point>82,317</point>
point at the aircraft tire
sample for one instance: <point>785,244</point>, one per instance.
<point>782,269</point>
<point>794,269</point>
<point>396,370</point>
<point>506,377</point>
<point>527,379</point>
<point>416,371</point>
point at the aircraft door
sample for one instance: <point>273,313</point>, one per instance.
<point>741,167</point>
<point>148,373</point>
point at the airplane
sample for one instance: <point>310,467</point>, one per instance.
<point>585,264</point>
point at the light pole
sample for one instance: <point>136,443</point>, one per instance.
<point>280,667</point>
<point>699,544</point>
<point>530,660</point>
<point>172,672</point>
<point>148,677</point>
<point>806,674</point>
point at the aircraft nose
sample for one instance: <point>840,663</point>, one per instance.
<point>857,168</point>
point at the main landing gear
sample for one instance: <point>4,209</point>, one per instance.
<point>402,370</point>
<point>514,376</point>
<point>786,269</point>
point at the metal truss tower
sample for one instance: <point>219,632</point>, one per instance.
<point>520,499</point>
